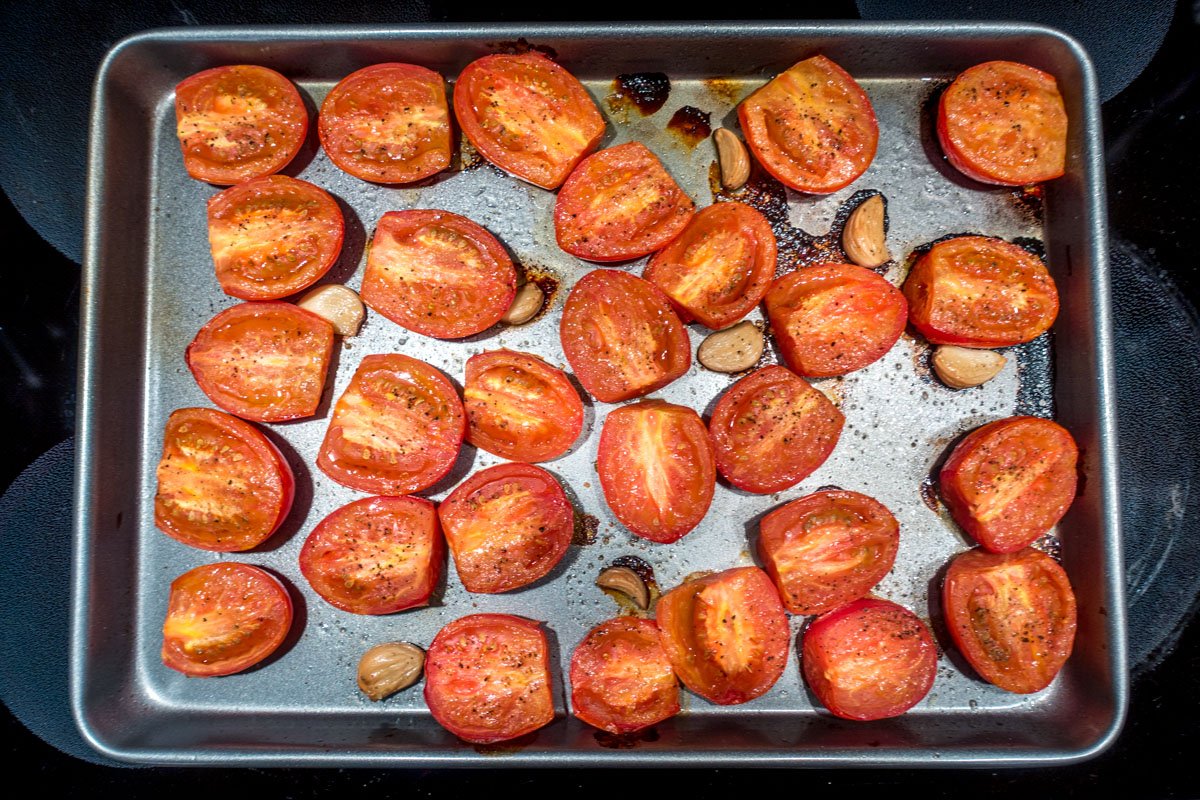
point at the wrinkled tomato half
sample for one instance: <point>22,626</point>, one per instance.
<point>621,678</point>
<point>487,678</point>
<point>1012,615</point>
<point>1011,481</point>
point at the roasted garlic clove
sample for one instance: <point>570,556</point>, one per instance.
<point>387,668</point>
<point>863,238</point>
<point>733,349</point>
<point>964,367</point>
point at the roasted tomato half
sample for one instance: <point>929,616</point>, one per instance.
<point>621,678</point>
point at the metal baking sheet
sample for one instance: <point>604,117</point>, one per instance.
<point>149,288</point>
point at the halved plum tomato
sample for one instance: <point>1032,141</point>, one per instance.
<point>397,428</point>
<point>726,634</point>
<point>621,678</point>
<point>772,429</point>
<point>238,122</point>
<point>720,267</point>
<point>812,127</point>
<point>263,361</point>
<point>656,469</point>
<point>827,549</point>
<point>273,236</point>
<point>222,485</point>
<point>438,273</point>
<point>977,291</point>
<point>1012,615</point>
<point>832,319</point>
<point>1010,481</point>
<point>620,204</point>
<point>224,618</point>
<point>377,555</point>
<point>527,115</point>
<point>519,407</point>
<point>871,659</point>
<point>1004,123</point>
<point>487,678</point>
<point>621,336</point>
<point>507,526</point>
<point>388,123</point>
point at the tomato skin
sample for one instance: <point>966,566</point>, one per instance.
<point>812,127</point>
<point>772,429</point>
<point>871,659</point>
<point>656,469</point>
<point>1011,481</point>
<point>621,336</point>
<point>833,319</point>
<point>263,361</point>
<point>720,267</point>
<point>487,678</point>
<point>527,115</point>
<point>238,122</point>
<point>224,618</point>
<point>1013,616</point>
<point>621,678</point>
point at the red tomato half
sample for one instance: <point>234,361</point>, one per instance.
<point>273,236</point>
<point>772,429</point>
<point>827,549</point>
<point>397,428</point>
<point>726,634</point>
<point>619,204</point>
<point>438,273</point>
<point>487,678</point>
<point>622,337</point>
<point>720,267</point>
<point>1004,123</point>
<point>812,127</point>
<point>977,291</point>
<point>527,115</point>
<point>834,318</point>
<point>378,555</point>
<point>237,123</point>
<point>868,660</point>
<point>1011,481</point>
<point>222,485</point>
<point>621,678</point>
<point>224,618</point>
<point>263,361</point>
<point>1012,615</point>
<point>389,123</point>
<point>656,469</point>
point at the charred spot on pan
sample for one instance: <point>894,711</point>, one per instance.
<point>645,91</point>
<point>522,46</point>
<point>585,530</point>
<point>625,741</point>
<point>1030,200</point>
<point>830,487</point>
<point>506,748</point>
<point>691,125</point>
<point>467,156</point>
<point>929,493</point>
<point>726,90</point>
<point>1031,245</point>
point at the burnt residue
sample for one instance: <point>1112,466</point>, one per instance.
<point>585,530</point>
<point>830,487</point>
<point>468,157</point>
<point>1030,200</point>
<point>1035,377</point>
<point>691,125</point>
<point>727,90</point>
<point>638,565</point>
<point>625,741</point>
<point>645,91</point>
<point>929,493</point>
<point>522,46</point>
<point>506,748</point>
<point>1031,245</point>
<point>544,279</point>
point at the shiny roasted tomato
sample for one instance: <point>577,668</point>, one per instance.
<point>238,122</point>
<point>827,549</point>
<point>263,361</point>
<point>389,123</point>
<point>527,115</point>
<point>620,204</point>
<point>1012,615</point>
<point>622,337</point>
<point>720,267</point>
<point>1004,123</point>
<point>833,319</point>
<point>726,634</point>
<point>812,127</point>
<point>224,618</point>
<point>222,485</point>
<point>273,236</point>
<point>519,407</point>
<point>977,291</point>
<point>438,273</point>
<point>621,678</point>
<point>377,555</point>
<point>1011,481</point>
<point>871,659</point>
<point>772,429</point>
<point>487,678</point>
<point>656,469</point>
<point>397,428</point>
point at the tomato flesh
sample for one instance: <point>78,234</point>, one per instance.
<point>621,678</point>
